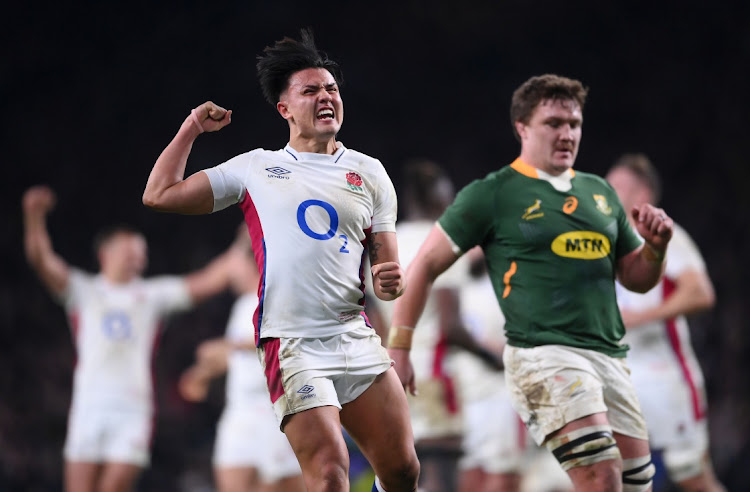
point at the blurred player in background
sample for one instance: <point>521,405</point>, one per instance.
<point>250,453</point>
<point>498,455</point>
<point>115,317</point>
<point>554,240</point>
<point>313,208</point>
<point>665,371</point>
<point>435,412</point>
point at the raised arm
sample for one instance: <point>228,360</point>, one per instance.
<point>641,269</point>
<point>166,189</point>
<point>433,258</point>
<point>54,272</point>
<point>221,272</point>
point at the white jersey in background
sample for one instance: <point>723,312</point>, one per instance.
<point>115,328</point>
<point>309,217</point>
<point>435,412</point>
<point>245,379</point>
<point>665,371</point>
<point>248,418</point>
<point>494,437</point>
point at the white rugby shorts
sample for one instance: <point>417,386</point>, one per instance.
<point>99,436</point>
<point>250,437</point>
<point>553,385</point>
<point>305,373</point>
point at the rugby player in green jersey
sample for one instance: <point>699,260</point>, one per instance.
<point>554,241</point>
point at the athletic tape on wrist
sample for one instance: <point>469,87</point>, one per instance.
<point>197,120</point>
<point>652,254</point>
<point>399,337</point>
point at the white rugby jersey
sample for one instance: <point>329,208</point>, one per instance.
<point>115,328</point>
<point>483,318</point>
<point>664,346</point>
<point>428,347</point>
<point>246,384</point>
<point>309,216</point>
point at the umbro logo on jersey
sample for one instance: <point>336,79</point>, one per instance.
<point>533,212</point>
<point>278,172</point>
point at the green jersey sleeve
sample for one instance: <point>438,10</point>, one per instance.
<point>627,240</point>
<point>468,221</point>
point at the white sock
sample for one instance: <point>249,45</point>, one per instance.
<point>378,485</point>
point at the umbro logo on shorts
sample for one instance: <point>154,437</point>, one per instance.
<point>306,389</point>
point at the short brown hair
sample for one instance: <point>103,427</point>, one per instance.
<point>536,89</point>
<point>643,169</point>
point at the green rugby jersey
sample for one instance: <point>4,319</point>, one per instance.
<point>551,255</point>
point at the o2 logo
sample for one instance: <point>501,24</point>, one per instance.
<point>333,218</point>
<point>116,325</point>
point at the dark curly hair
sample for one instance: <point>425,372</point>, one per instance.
<point>288,56</point>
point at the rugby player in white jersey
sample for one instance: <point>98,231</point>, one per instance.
<point>240,464</point>
<point>435,412</point>
<point>665,371</point>
<point>498,454</point>
<point>313,208</point>
<point>115,317</point>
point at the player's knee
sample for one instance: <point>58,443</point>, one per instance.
<point>401,476</point>
<point>637,474</point>
<point>584,446</point>
<point>326,465</point>
<point>332,475</point>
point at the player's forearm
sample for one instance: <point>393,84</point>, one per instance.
<point>458,336</point>
<point>36,238</point>
<point>409,306</point>
<point>694,293</point>
<point>211,279</point>
<point>50,268</point>
<point>642,270</point>
<point>169,168</point>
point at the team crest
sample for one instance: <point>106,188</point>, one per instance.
<point>354,181</point>
<point>533,212</point>
<point>601,204</point>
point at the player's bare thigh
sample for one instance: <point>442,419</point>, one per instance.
<point>378,420</point>
<point>322,454</point>
<point>236,479</point>
<point>118,477</point>
<point>81,476</point>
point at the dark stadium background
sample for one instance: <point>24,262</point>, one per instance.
<point>90,94</point>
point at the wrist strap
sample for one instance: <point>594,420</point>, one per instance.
<point>652,254</point>
<point>196,120</point>
<point>399,337</point>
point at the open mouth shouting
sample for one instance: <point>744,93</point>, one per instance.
<point>325,114</point>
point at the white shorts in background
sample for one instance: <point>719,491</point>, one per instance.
<point>305,373</point>
<point>98,436</point>
<point>552,385</point>
<point>430,411</point>
<point>250,437</point>
<point>674,407</point>
<point>494,436</point>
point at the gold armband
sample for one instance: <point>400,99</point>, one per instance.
<point>652,254</point>
<point>399,337</point>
